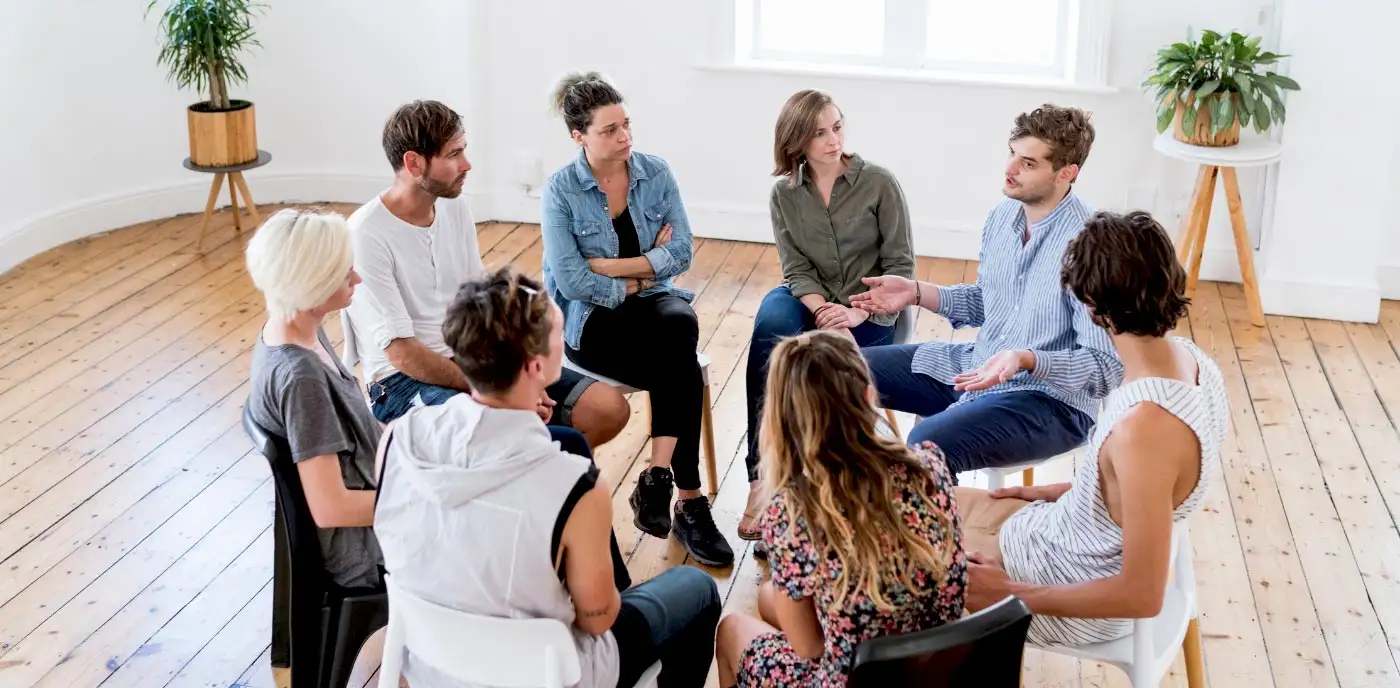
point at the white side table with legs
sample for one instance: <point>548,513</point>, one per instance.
<point>1219,163</point>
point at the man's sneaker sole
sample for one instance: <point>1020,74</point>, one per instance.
<point>708,562</point>
<point>663,534</point>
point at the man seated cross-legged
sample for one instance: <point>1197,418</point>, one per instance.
<point>1091,555</point>
<point>1027,389</point>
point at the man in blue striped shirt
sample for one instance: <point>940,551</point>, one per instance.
<point>1028,388</point>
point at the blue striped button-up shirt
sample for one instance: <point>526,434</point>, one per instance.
<point>1019,303</point>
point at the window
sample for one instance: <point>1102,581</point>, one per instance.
<point>1046,41</point>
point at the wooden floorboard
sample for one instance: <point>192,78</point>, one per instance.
<point>135,540</point>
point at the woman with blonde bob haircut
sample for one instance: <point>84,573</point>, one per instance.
<point>862,532</point>
<point>837,219</point>
<point>301,262</point>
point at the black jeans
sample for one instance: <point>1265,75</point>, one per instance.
<point>673,618</point>
<point>649,343</point>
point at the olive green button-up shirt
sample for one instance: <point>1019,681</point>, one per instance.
<point>863,233</point>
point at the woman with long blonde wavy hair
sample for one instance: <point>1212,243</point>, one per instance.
<point>862,532</point>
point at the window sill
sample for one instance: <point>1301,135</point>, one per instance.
<point>877,73</point>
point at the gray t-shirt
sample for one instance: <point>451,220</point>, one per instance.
<point>297,395</point>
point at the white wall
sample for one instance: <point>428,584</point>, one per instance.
<point>94,134</point>
<point>946,142</point>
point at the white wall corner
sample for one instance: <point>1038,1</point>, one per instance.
<point>1358,301</point>
<point>1388,277</point>
<point>90,216</point>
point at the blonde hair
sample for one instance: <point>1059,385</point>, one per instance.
<point>820,446</point>
<point>298,259</point>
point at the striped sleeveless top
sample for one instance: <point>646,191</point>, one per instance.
<point>1073,539</point>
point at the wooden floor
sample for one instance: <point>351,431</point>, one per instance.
<point>135,542</point>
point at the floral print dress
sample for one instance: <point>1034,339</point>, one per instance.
<point>800,572</point>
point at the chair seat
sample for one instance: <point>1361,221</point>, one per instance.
<point>1168,630</point>
<point>701,358</point>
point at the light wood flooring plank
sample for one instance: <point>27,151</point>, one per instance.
<point>123,374</point>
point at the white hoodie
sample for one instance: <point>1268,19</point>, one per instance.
<point>467,507</point>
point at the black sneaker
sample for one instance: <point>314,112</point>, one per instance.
<point>694,526</point>
<point>651,502</point>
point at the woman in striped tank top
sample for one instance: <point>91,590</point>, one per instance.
<point>1091,555</point>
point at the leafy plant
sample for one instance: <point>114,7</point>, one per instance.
<point>1192,72</point>
<point>201,44</point>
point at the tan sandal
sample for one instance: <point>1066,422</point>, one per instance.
<point>753,533</point>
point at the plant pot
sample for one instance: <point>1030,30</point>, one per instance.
<point>1202,135</point>
<point>220,138</point>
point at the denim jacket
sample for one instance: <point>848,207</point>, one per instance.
<point>577,226</point>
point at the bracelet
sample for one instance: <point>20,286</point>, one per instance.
<point>918,293</point>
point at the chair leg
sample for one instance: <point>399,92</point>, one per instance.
<point>707,433</point>
<point>889,415</point>
<point>994,478</point>
<point>1191,646</point>
<point>1028,476</point>
<point>357,621</point>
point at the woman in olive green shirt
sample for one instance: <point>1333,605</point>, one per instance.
<point>836,220</point>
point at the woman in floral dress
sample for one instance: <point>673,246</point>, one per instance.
<point>862,532</point>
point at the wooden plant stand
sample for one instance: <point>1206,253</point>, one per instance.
<point>236,186</point>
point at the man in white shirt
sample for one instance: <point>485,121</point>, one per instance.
<point>415,244</point>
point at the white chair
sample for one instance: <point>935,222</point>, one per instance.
<point>996,476</point>
<point>707,426</point>
<point>1147,654</point>
<point>482,650</point>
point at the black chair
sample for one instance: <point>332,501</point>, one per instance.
<point>982,650</point>
<point>318,626</point>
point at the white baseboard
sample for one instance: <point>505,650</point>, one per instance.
<point>1388,276</point>
<point>1348,302</point>
<point>90,216</point>
<point>736,223</point>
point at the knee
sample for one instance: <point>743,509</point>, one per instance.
<point>571,441</point>
<point>702,584</point>
<point>680,325</point>
<point>601,413</point>
<point>780,315</point>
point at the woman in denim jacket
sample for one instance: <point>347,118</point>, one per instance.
<point>615,236</point>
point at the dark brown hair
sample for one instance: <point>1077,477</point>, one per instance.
<point>423,126</point>
<point>1125,269</point>
<point>1066,130</point>
<point>821,445</point>
<point>496,323</point>
<point>797,125</point>
<point>578,95</point>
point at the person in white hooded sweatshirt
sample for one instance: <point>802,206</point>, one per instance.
<point>479,510</point>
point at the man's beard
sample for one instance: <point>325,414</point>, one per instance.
<point>440,189</point>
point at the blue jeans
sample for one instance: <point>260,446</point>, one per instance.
<point>397,393</point>
<point>673,618</point>
<point>783,315</point>
<point>993,430</point>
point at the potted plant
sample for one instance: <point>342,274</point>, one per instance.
<point>201,42</point>
<point>1207,90</point>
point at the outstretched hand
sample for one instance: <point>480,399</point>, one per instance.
<point>888,294</point>
<point>996,370</point>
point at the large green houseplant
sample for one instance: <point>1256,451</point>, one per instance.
<point>201,43</point>
<point>1207,89</point>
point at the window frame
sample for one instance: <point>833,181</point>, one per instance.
<point>1081,49</point>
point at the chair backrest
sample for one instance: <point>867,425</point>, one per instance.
<point>476,649</point>
<point>904,325</point>
<point>307,580</point>
<point>982,649</point>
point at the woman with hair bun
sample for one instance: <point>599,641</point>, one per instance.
<point>615,237</point>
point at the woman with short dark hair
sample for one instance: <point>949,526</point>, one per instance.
<point>615,237</point>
